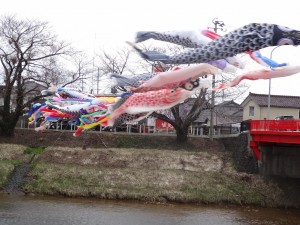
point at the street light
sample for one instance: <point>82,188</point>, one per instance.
<point>269,96</point>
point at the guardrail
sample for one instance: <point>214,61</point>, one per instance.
<point>275,125</point>
<point>134,128</point>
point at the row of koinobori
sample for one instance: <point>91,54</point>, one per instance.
<point>166,87</point>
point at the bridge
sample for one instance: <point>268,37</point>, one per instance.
<point>276,146</point>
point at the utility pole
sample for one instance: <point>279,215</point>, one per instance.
<point>98,79</point>
<point>218,25</point>
<point>269,95</point>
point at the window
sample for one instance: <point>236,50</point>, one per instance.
<point>251,110</point>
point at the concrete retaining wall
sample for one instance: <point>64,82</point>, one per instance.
<point>280,160</point>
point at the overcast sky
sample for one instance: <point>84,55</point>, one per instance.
<point>93,24</point>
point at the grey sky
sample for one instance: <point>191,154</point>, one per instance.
<point>94,24</point>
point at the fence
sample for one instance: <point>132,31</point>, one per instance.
<point>203,131</point>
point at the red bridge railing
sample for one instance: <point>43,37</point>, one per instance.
<point>275,125</point>
<point>267,132</point>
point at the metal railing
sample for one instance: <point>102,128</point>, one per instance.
<point>133,128</point>
<point>275,125</point>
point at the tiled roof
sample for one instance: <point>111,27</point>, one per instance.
<point>205,114</point>
<point>219,117</point>
<point>282,101</point>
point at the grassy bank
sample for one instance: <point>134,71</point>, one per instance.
<point>150,185</point>
<point>139,167</point>
<point>6,168</point>
<point>11,155</point>
<point>155,175</point>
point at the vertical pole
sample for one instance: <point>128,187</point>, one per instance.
<point>98,75</point>
<point>211,131</point>
<point>217,25</point>
<point>269,99</point>
<point>79,73</point>
<point>269,95</point>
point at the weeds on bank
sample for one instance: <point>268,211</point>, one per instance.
<point>143,184</point>
<point>34,150</point>
<point>8,163</point>
<point>6,167</point>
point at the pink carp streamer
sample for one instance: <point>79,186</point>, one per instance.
<point>176,78</point>
<point>150,101</point>
<point>261,74</point>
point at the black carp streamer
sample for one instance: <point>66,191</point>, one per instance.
<point>250,37</point>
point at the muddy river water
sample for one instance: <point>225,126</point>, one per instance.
<point>33,210</point>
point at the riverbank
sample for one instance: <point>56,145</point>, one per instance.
<point>144,168</point>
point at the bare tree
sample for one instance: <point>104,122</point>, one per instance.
<point>121,61</point>
<point>182,122</point>
<point>24,47</point>
<point>114,62</point>
<point>79,72</point>
<point>51,72</point>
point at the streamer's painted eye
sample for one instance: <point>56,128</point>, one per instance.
<point>285,41</point>
<point>188,86</point>
<point>196,84</point>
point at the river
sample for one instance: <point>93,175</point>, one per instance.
<point>33,210</point>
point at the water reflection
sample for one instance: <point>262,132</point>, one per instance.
<point>24,210</point>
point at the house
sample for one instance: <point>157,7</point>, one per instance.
<point>225,116</point>
<point>227,112</point>
<point>1,95</point>
<point>32,89</point>
<point>1,99</point>
<point>256,106</point>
